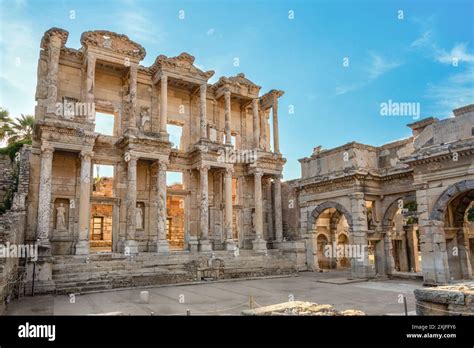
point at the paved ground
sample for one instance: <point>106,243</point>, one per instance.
<point>224,298</point>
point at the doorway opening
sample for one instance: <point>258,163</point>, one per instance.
<point>101,228</point>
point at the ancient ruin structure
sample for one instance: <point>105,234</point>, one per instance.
<point>186,183</point>
<point>229,194</point>
<point>398,208</point>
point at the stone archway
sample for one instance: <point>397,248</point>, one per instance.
<point>439,209</point>
<point>402,246</point>
<point>392,209</point>
<point>328,205</point>
<point>311,241</point>
<point>446,230</point>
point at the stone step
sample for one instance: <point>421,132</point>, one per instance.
<point>95,272</point>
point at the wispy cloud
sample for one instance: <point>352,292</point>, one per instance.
<point>426,42</point>
<point>458,52</point>
<point>380,66</point>
<point>455,91</point>
<point>210,32</point>
<point>422,41</point>
<point>376,67</point>
<point>138,24</point>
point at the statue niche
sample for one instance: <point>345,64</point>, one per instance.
<point>61,214</point>
<point>139,216</point>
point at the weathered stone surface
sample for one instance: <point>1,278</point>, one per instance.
<point>446,300</point>
<point>300,308</point>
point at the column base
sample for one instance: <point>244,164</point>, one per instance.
<point>164,135</point>
<point>205,245</point>
<point>130,247</point>
<point>259,245</point>
<point>230,245</point>
<point>162,246</point>
<point>44,247</point>
<point>82,247</point>
<point>193,244</point>
<point>276,244</point>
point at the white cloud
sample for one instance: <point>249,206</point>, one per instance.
<point>380,66</point>
<point>423,41</point>
<point>377,66</point>
<point>459,52</point>
<point>455,91</point>
<point>139,27</point>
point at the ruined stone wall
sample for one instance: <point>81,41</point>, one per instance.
<point>290,210</point>
<point>349,156</point>
<point>7,179</point>
<point>12,231</point>
<point>446,300</point>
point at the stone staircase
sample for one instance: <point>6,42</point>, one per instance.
<point>105,271</point>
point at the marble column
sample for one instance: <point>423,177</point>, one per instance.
<point>131,246</point>
<point>256,124</point>
<point>276,140</point>
<point>161,213</point>
<point>133,96</point>
<point>412,244</point>
<point>227,114</point>
<point>360,262</point>
<point>90,83</point>
<point>164,105</point>
<point>434,255</point>
<point>259,244</point>
<point>229,243</point>
<point>202,110</point>
<point>204,243</point>
<point>278,210</point>
<point>44,200</point>
<point>388,248</point>
<point>54,50</point>
<point>82,246</point>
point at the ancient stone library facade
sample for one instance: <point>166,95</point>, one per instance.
<point>186,183</point>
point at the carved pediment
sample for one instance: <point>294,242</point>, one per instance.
<point>184,62</point>
<point>61,33</point>
<point>118,43</point>
<point>238,80</point>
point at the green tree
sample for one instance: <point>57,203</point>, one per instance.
<point>19,129</point>
<point>5,121</point>
<point>470,214</point>
<point>15,132</point>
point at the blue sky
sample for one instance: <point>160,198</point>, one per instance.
<point>403,57</point>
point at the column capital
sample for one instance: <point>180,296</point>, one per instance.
<point>47,149</point>
<point>86,155</point>
<point>204,168</point>
<point>258,174</point>
<point>228,171</point>
<point>130,158</point>
<point>356,195</point>
<point>162,165</point>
